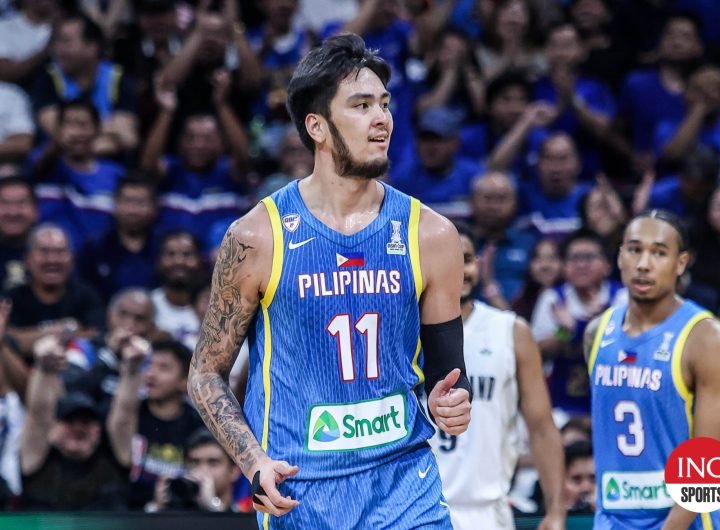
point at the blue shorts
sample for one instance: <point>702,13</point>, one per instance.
<point>403,494</point>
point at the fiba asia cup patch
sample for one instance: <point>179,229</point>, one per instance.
<point>692,475</point>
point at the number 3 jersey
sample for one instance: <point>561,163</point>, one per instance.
<point>641,411</point>
<point>335,353</point>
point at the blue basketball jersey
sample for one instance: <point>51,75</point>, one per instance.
<point>335,353</point>
<point>641,411</point>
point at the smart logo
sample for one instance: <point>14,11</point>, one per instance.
<point>350,426</point>
<point>612,491</point>
<point>326,428</point>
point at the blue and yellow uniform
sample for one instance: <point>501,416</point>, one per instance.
<point>335,363</point>
<point>641,411</point>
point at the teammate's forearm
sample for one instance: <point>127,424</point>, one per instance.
<point>678,519</point>
<point>222,414</point>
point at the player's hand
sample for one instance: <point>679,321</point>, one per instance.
<point>271,473</point>
<point>553,521</point>
<point>450,406</point>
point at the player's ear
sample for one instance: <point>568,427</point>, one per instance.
<point>682,262</point>
<point>316,127</point>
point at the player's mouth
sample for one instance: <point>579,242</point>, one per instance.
<point>642,284</point>
<point>379,139</point>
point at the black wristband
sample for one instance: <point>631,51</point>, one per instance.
<point>257,489</point>
<point>443,352</point>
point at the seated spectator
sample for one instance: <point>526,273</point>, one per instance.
<point>686,194</point>
<point>512,40</point>
<point>653,95</point>
<point>704,280</point>
<point>580,487</point>
<point>503,249</point>
<point>210,476</point>
<point>16,123</point>
<point>75,187</point>
<point>66,461</point>
<point>126,254</point>
<point>14,374</point>
<point>295,162</point>
<point>515,127</point>
<point>562,313</point>
<point>551,204</point>
<point>544,272</point>
<point>52,302</point>
<point>586,106</point>
<point>202,183</point>
<point>78,70</point>
<point>603,212</point>
<point>180,268</point>
<point>576,430</point>
<point>24,40</point>
<point>701,123</point>
<point>130,319</point>
<point>434,173</point>
<point>18,215</point>
<point>161,423</point>
<point>453,79</point>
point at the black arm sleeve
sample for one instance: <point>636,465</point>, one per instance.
<point>443,350</point>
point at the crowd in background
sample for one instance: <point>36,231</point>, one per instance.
<point>133,132</point>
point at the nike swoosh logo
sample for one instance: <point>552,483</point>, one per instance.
<point>292,245</point>
<point>423,474</point>
<point>604,343</point>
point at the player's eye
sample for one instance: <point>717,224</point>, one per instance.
<point>363,106</point>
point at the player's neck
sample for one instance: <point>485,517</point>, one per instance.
<point>466,307</point>
<point>641,317</point>
<point>333,199</point>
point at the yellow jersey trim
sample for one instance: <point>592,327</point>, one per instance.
<point>676,366</point>
<point>278,245</point>
<point>414,248</point>
<point>604,319</point>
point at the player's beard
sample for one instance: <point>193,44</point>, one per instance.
<point>347,166</point>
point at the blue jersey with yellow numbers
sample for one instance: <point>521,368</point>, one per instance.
<point>641,410</point>
<point>335,353</point>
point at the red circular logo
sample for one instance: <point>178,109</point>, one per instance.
<point>692,475</point>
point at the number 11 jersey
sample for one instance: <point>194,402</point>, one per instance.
<point>335,354</point>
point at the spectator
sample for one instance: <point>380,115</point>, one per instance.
<point>126,254</point>
<point>295,161</point>
<point>699,125</point>
<point>511,41</point>
<point>159,424</point>
<point>504,250</point>
<point>65,459</point>
<point>130,319</point>
<point>201,184</point>
<point>13,384</point>
<point>704,287</point>
<point>585,105</point>
<point>603,212</point>
<point>562,313</point>
<point>544,272</point>
<point>16,123</point>
<point>653,95</point>
<point>53,302</point>
<point>551,206</point>
<point>453,79</point>
<point>25,38</point>
<point>576,430</point>
<point>436,174</point>
<point>78,70</point>
<point>515,127</point>
<point>686,194</point>
<point>180,268</point>
<point>18,215</point>
<point>75,187</point>
<point>210,475</point>
<point>580,488</point>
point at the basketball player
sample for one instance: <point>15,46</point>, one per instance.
<point>334,280</point>
<point>654,371</point>
<point>503,366</point>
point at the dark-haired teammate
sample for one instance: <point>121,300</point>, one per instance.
<point>334,280</point>
<point>655,371</point>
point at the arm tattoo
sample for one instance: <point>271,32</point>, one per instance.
<point>229,315</point>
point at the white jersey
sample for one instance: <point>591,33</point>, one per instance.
<point>477,466</point>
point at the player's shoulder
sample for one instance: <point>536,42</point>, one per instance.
<point>435,228</point>
<point>251,235</point>
<point>704,335</point>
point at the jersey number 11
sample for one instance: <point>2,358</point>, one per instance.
<point>369,325</point>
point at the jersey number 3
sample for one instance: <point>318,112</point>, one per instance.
<point>369,325</point>
<point>633,444</point>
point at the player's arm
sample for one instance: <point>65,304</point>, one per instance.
<point>241,273</point>
<point>589,336</point>
<point>441,332</point>
<point>701,372</point>
<point>545,440</point>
